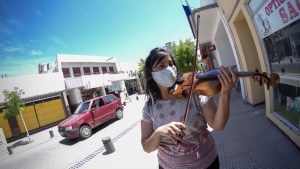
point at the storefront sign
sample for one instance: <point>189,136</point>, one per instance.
<point>73,82</point>
<point>276,14</point>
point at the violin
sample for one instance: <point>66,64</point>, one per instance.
<point>207,83</point>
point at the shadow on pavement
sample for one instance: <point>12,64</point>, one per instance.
<point>19,143</point>
<point>69,142</point>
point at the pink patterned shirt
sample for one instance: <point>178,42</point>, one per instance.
<point>198,147</point>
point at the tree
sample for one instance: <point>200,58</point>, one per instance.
<point>14,105</point>
<point>184,54</point>
<point>141,72</point>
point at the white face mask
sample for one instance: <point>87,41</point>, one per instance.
<point>165,77</point>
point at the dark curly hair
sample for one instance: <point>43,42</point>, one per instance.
<point>155,56</point>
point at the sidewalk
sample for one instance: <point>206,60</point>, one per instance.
<point>249,141</point>
<point>37,139</point>
<point>129,154</point>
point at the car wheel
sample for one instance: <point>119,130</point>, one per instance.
<point>119,114</point>
<point>85,131</point>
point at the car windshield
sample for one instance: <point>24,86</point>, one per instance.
<point>82,108</point>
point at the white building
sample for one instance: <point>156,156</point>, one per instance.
<point>55,92</point>
<point>215,39</point>
<point>89,76</point>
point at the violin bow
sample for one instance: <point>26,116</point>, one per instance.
<point>193,72</point>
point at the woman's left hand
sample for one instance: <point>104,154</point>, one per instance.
<point>228,79</point>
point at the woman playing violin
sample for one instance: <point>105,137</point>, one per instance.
<point>181,145</point>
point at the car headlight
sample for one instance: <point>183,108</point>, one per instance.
<point>69,128</point>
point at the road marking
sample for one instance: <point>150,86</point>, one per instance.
<point>102,148</point>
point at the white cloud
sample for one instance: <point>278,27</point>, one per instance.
<point>13,49</point>
<point>37,12</point>
<point>13,21</point>
<point>16,66</point>
<point>57,41</point>
<point>5,30</point>
<point>36,52</point>
<point>3,5</point>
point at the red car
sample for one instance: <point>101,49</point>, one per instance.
<point>90,114</point>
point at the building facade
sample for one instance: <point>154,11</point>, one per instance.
<point>262,35</point>
<point>54,93</point>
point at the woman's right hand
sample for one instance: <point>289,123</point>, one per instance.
<point>173,130</point>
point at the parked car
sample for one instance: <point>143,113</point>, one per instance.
<point>90,114</point>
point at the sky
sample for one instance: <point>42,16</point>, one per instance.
<point>34,31</point>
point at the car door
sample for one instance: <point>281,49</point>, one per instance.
<point>98,111</point>
<point>110,106</point>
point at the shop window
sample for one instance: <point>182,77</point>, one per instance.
<point>104,70</point>
<point>111,69</point>
<point>283,49</point>
<point>96,70</point>
<point>287,102</point>
<point>76,71</point>
<point>86,70</point>
<point>254,5</point>
<point>66,72</point>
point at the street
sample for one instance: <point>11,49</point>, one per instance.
<point>58,152</point>
<point>249,140</point>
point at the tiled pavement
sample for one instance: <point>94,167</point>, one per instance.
<point>251,141</point>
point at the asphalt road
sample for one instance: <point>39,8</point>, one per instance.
<point>58,152</point>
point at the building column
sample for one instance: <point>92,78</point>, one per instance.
<point>75,98</point>
<point>103,90</point>
<point>66,104</point>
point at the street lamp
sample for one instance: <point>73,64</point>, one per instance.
<point>168,46</point>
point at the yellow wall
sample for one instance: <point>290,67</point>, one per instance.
<point>227,7</point>
<point>49,112</point>
<point>248,54</point>
<point>5,126</point>
<point>43,114</point>
<point>30,119</point>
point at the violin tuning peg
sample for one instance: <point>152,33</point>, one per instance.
<point>260,81</point>
<point>256,70</point>
<point>254,78</point>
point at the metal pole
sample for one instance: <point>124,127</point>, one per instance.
<point>108,144</point>
<point>9,149</point>
<point>51,134</point>
<point>25,127</point>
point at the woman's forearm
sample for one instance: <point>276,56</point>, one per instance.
<point>152,143</point>
<point>222,113</point>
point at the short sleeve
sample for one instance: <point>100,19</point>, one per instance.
<point>204,99</point>
<point>146,116</point>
